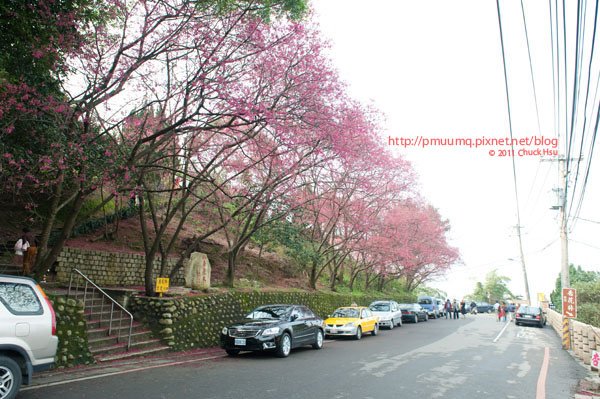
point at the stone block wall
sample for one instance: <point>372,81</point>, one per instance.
<point>584,337</point>
<point>109,269</point>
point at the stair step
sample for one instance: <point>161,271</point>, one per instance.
<point>109,339</point>
<point>132,353</point>
<point>97,323</point>
<point>122,347</point>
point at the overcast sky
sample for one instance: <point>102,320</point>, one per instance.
<point>434,68</point>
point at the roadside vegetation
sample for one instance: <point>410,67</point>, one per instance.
<point>212,121</point>
<point>587,284</point>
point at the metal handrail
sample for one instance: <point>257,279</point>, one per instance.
<point>112,307</point>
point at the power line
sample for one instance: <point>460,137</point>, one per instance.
<point>537,111</point>
<point>514,167</point>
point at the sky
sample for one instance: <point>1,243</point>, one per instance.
<point>434,69</point>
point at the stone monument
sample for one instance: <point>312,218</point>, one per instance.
<point>197,271</point>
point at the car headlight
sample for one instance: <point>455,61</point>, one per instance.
<point>271,331</point>
<point>351,324</point>
<point>224,331</point>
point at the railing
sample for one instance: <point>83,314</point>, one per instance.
<point>89,282</point>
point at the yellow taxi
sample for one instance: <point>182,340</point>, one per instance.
<point>351,321</point>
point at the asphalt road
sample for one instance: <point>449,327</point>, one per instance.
<point>435,359</point>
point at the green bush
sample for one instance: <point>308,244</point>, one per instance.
<point>589,313</point>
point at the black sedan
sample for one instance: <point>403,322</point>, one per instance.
<point>413,312</point>
<point>277,328</point>
<point>484,307</point>
<point>530,315</point>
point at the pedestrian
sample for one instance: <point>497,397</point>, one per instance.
<point>448,308</point>
<point>463,308</point>
<point>502,314</point>
<point>455,308</point>
<point>30,253</point>
<point>21,246</point>
<point>473,308</point>
<point>497,309</point>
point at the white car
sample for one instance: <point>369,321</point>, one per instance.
<point>389,313</point>
<point>28,340</point>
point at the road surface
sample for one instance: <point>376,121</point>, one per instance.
<point>465,358</point>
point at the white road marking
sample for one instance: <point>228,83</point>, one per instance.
<point>93,377</point>
<point>501,332</point>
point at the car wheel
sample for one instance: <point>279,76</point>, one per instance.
<point>375,330</point>
<point>541,325</point>
<point>10,376</point>
<point>392,324</point>
<point>318,344</point>
<point>358,333</point>
<point>232,352</point>
<point>426,317</point>
<point>416,319</point>
<point>517,323</point>
<point>285,345</point>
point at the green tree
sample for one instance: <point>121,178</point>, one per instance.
<point>494,288</point>
<point>578,278</point>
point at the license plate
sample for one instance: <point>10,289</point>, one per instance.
<point>240,342</point>
<point>528,316</point>
<point>334,331</point>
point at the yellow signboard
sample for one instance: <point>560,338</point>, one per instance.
<point>541,297</point>
<point>162,285</point>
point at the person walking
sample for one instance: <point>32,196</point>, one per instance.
<point>30,253</point>
<point>448,308</point>
<point>497,309</point>
<point>21,247</point>
<point>463,308</point>
<point>502,313</point>
<point>455,309</point>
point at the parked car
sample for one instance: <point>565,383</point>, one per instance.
<point>28,339</point>
<point>413,312</point>
<point>277,328</point>
<point>389,313</point>
<point>484,307</point>
<point>440,304</point>
<point>530,315</point>
<point>429,303</point>
<point>352,321</point>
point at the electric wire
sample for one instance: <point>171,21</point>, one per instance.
<point>537,110</point>
<point>514,166</point>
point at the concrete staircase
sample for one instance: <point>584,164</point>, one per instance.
<point>108,339</point>
<point>11,269</point>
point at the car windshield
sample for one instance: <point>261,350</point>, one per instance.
<point>529,309</point>
<point>270,312</point>
<point>380,307</point>
<point>425,301</point>
<point>346,312</point>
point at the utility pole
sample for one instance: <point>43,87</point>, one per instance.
<point>564,241</point>
<point>527,296</point>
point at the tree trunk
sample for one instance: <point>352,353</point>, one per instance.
<point>313,275</point>
<point>230,277</point>
<point>50,257</point>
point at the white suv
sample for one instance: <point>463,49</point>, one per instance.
<point>28,338</point>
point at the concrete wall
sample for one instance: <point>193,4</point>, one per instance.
<point>108,269</point>
<point>584,337</point>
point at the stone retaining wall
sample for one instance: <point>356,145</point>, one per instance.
<point>584,337</point>
<point>109,268</point>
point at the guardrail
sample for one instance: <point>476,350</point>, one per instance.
<point>77,273</point>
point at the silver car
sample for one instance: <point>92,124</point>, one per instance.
<point>28,338</point>
<point>389,312</point>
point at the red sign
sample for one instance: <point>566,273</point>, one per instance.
<point>569,303</point>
